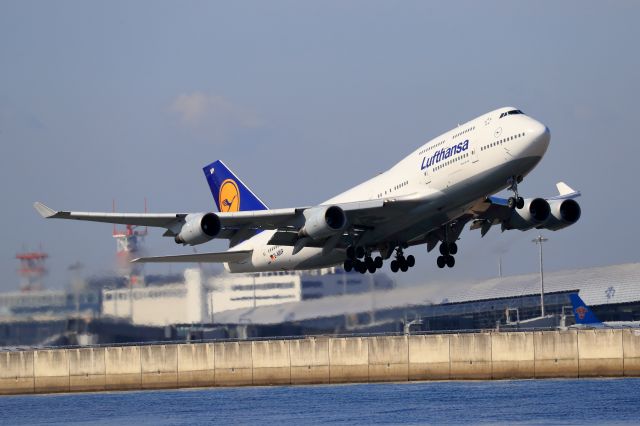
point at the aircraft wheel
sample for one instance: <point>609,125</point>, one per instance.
<point>368,261</point>
<point>411,261</point>
<point>378,262</point>
<point>371,268</point>
<point>404,267</point>
<point>511,203</point>
<point>348,265</point>
<point>359,252</point>
<point>394,266</point>
<point>520,202</point>
<point>363,268</point>
<point>451,261</point>
<point>441,261</point>
<point>453,248</point>
<point>444,249</point>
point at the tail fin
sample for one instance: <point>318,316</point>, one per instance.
<point>583,314</point>
<point>229,192</point>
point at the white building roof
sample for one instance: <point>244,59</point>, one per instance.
<point>597,286</point>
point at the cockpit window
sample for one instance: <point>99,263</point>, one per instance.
<point>512,112</point>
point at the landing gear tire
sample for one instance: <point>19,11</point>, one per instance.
<point>359,252</point>
<point>368,261</point>
<point>441,261</point>
<point>370,264</point>
<point>351,252</point>
<point>511,203</point>
<point>448,248</point>
<point>362,268</point>
<point>404,267</point>
<point>519,202</point>
<point>411,261</point>
<point>348,265</point>
<point>450,261</point>
<point>378,262</point>
<point>394,266</point>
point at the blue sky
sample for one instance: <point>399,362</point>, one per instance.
<point>129,100</point>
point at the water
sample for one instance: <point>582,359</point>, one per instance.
<point>600,401</point>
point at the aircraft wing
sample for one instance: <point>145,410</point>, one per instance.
<point>261,219</point>
<point>220,257</point>
<point>364,213</point>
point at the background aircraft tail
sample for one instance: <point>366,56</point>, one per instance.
<point>583,314</point>
<point>229,192</point>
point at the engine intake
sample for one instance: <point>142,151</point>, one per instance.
<point>535,212</point>
<point>563,213</point>
<point>198,229</point>
<point>322,222</point>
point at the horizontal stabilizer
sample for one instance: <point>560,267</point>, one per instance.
<point>564,189</point>
<point>565,192</point>
<point>43,210</point>
<point>220,257</point>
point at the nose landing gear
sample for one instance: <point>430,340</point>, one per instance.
<point>516,201</point>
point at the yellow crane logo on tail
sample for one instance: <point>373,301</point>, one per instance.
<point>229,196</point>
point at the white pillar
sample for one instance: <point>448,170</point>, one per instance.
<point>195,302</point>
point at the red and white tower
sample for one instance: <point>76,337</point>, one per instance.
<point>128,247</point>
<point>32,270</point>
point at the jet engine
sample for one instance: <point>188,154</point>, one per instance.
<point>535,212</point>
<point>563,213</point>
<point>199,228</point>
<point>322,222</point>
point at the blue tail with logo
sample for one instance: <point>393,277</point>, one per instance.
<point>583,314</point>
<point>229,192</point>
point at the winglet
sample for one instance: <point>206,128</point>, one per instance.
<point>43,210</point>
<point>564,189</point>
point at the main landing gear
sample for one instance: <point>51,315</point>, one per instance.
<point>367,264</point>
<point>360,260</point>
<point>402,263</point>
<point>447,250</point>
<point>516,201</point>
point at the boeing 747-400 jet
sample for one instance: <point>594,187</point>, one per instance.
<point>426,198</point>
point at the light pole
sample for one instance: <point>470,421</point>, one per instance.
<point>539,240</point>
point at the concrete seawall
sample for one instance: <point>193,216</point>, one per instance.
<point>465,356</point>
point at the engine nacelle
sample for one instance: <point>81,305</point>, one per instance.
<point>535,212</point>
<point>199,228</point>
<point>563,213</point>
<point>323,222</point>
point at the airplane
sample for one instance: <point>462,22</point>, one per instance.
<point>426,198</point>
<point>586,318</point>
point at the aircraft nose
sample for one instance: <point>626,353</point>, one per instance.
<point>541,137</point>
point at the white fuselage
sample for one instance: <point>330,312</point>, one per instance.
<point>457,169</point>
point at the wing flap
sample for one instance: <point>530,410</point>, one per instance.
<point>219,257</point>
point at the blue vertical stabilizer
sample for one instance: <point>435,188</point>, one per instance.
<point>229,192</point>
<point>583,314</point>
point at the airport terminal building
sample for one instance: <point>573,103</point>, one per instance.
<point>506,302</point>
